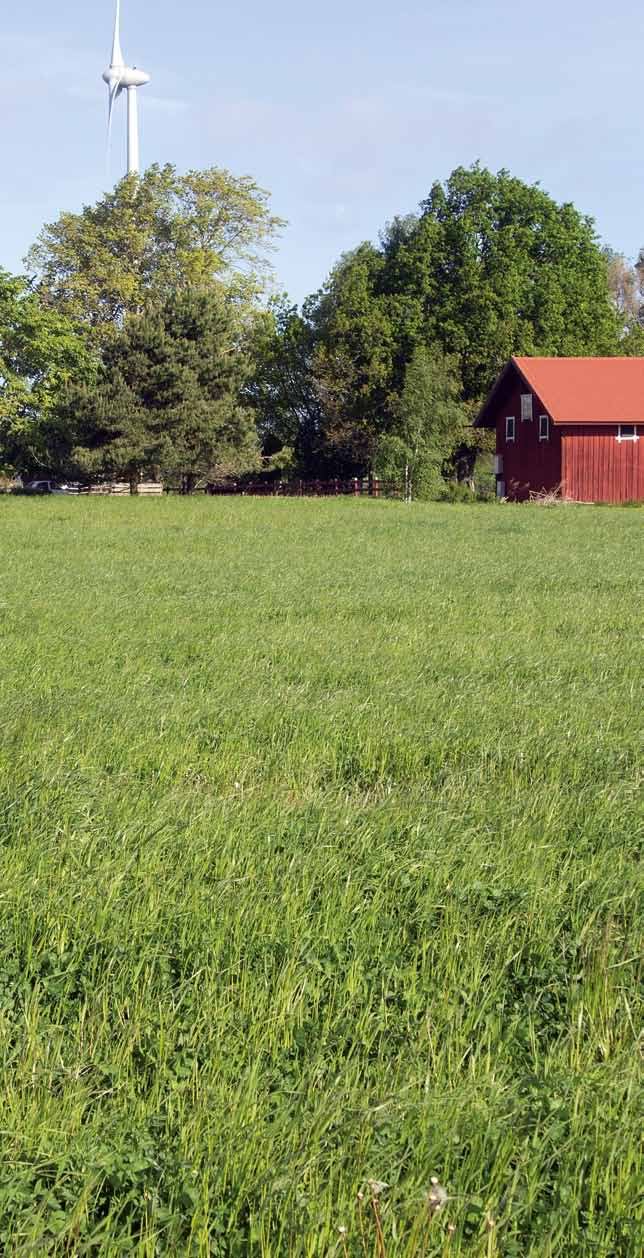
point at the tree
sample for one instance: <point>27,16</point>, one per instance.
<point>626,288</point>
<point>318,380</point>
<point>151,236</point>
<point>430,424</point>
<point>502,269</point>
<point>489,268</point>
<point>167,399</point>
<point>623,286</point>
<point>282,386</point>
<point>40,352</point>
<point>353,359</point>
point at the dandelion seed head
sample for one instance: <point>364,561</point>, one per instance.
<point>437,1195</point>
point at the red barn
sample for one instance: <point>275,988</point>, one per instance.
<point>573,424</point>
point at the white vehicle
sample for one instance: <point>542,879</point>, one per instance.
<point>47,487</point>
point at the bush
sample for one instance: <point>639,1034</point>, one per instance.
<point>457,491</point>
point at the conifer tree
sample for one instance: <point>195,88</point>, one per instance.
<point>167,399</point>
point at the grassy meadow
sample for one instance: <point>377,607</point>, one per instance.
<point>319,828</point>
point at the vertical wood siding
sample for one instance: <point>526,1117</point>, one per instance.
<point>528,464</point>
<point>598,468</point>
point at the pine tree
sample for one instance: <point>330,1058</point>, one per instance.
<point>167,401</point>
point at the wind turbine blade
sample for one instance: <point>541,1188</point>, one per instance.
<point>117,52</point>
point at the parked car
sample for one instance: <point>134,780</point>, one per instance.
<point>47,487</point>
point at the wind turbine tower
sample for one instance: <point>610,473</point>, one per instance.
<point>122,78</point>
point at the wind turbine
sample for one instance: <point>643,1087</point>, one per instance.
<point>120,78</point>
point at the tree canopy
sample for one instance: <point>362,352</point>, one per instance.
<point>152,235</point>
<point>41,351</point>
<point>377,369</point>
<point>430,424</point>
<point>490,267</point>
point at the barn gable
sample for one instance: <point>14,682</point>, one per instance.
<point>576,390</point>
<point>569,423</point>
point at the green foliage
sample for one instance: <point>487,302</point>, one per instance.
<point>489,268</point>
<point>352,361</point>
<point>167,399</point>
<point>501,269</point>
<point>319,867</point>
<point>632,343</point>
<point>40,352</point>
<point>153,234</point>
<point>282,387</point>
<point>429,425</point>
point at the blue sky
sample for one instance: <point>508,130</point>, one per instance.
<point>346,112</point>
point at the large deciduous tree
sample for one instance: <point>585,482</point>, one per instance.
<point>490,267</point>
<point>282,386</point>
<point>500,268</point>
<point>152,235</point>
<point>167,400</point>
<point>353,358</point>
<point>40,352</point>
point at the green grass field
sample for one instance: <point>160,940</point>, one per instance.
<point>319,837</point>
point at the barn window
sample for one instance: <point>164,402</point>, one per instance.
<point>526,406</point>
<point>509,428</point>
<point>544,428</point>
<point>627,432</point>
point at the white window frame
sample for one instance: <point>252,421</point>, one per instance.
<point>544,436</point>
<point>629,436</point>
<point>527,412</point>
<point>510,419</point>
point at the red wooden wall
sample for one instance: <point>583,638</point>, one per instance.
<point>528,464</point>
<point>586,460</point>
<point>598,468</point>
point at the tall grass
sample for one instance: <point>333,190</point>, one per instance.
<point>319,836</point>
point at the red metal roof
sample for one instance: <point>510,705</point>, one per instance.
<point>587,390</point>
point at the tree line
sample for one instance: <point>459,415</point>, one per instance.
<point>145,338</point>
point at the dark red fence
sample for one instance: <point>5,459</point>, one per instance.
<point>368,486</point>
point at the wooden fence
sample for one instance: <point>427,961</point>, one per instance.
<point>119,488</point>
<point>368,486</point>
